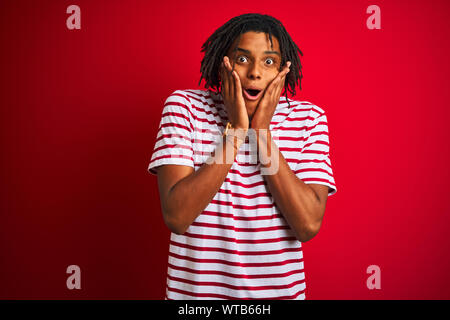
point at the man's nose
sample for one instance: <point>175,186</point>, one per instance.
<point>254,72</point>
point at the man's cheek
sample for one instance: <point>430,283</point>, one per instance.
<point>273,77</point>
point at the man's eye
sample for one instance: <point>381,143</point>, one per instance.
<point>242,59</point>
<point>270,61</point>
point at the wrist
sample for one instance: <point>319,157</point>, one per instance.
<point>239,132</point>
<point>258,126</point>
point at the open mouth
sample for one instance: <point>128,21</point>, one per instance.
<point>252,94</point>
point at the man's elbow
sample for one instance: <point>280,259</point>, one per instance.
<point>309,232</point>
<point>175,225</point>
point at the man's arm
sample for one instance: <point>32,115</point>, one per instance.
<point>185,193</point>
<point>303,205</point>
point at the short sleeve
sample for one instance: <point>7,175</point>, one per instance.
<point>314,165</point>
<point>174,140</point>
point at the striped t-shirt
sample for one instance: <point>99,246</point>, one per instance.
<point>240,246</point>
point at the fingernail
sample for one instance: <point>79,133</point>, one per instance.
<point>289,64</point>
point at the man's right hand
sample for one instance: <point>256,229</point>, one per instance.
<point>232,96</point>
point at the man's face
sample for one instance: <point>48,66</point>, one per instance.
<point>256,63</point>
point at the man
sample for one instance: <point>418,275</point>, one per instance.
<point>243,174</point>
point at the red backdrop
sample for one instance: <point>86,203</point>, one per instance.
<point>80,111</point>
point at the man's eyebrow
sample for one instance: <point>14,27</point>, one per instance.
<point>272,52</point>
<point>265,52</point>
<point>243,50</point>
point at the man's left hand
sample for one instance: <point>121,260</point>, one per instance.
<point>268,103</point>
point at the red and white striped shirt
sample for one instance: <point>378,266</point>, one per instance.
<point>240,246</point>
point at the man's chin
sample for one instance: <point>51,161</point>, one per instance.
<point>251,106</point>
<point>249,102</point>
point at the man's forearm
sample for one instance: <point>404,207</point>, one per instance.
<point>297,202</point>
<point>191,195</point>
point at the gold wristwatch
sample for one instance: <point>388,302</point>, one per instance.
<point>234,133</point>
<point>229,126</point>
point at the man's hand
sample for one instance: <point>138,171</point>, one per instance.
<point>266,107</point>
<point>232,96</point>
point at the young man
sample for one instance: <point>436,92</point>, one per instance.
<point>243,174</point>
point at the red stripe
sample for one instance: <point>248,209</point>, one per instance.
<point>317,142</point>
<point>226,227</point>
<point>288,138</point>
<point>215,132</point>
<point>242,206</point>
<point>173,124</point>
<point>240,195</point>
<point>203,153</point>
<point>244,218</point>
<point>298,161</point>
<point>290,149</point>
<point>230,286</point>
<point>301,118</point>
<point>173,146</point>
<point>311,169</point>
<point>211,122</point>
<point>207,96</point>
<point>237,264</point>
<point>172,156</point>
<point>203,142</point>
<point>239,276</point>
<point>240,152</point>
<point>308,161</point>
<point>237,252</point>
<point>249,185</point>
<point>315,152</point>
<point>180,95</point>
<point>305,127</point>
<point>211,237</point>
<point>318,133</point>
<point>319,179</point>
<point>175,114</point>
<point>222,296</point>
<point>172,135</point>
<point>242,164</point>
<point>245,175</point>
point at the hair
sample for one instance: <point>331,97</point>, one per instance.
<point>219,43</point>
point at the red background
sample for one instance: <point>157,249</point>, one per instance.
<point>80,111</point>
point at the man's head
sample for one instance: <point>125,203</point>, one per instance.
<point>258,47</point>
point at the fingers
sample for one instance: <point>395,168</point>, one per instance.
<point>236,83</point>
<point>227,63</point>
<point>237,86</point>
<point>284,74</point>
<point>285,70</point>
<point>231,85</point>
<point>226,78</point>
<point>278,83</point>
<point>231,79</point>
<point>232,95</point>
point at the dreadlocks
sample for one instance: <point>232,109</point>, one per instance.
<point>218,44</point>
